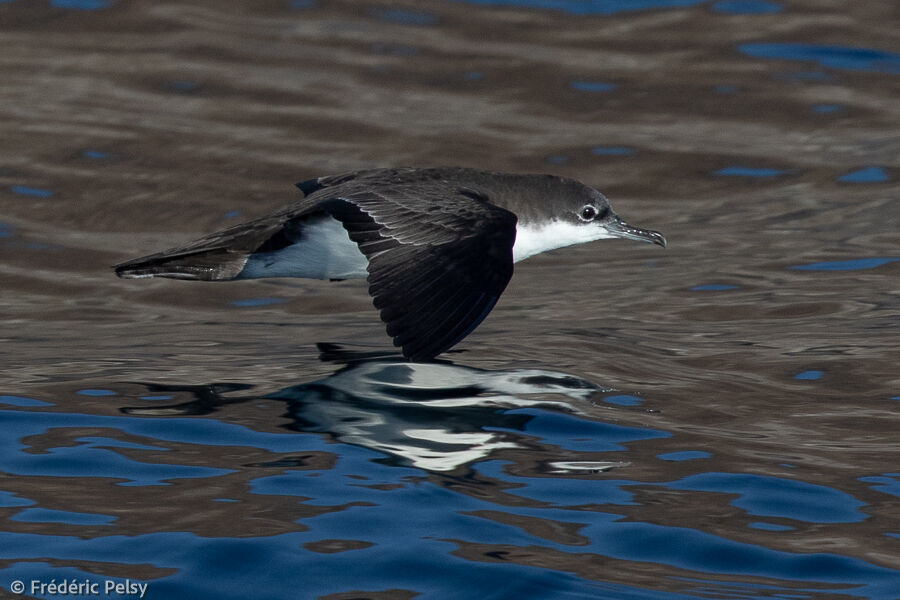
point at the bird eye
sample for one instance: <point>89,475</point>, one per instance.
<point>588,213</point>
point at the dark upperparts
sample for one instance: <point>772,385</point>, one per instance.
<point>532,197</point>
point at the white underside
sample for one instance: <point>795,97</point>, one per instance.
<point>531,240</point>
<point>327,252</point>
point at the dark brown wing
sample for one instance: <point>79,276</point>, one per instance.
<point>439,254</point>
<point>219,256</point>
<point>439,258</point>
<point>222,255</point>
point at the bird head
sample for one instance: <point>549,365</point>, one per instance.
<point>591,211</point>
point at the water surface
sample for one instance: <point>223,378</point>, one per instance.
<point>713,420</point>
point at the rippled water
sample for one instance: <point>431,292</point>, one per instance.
<point>714,420</point>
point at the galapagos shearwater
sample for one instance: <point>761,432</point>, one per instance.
<point>437,245</point>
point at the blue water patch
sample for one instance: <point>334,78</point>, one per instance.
<point>713,287</point>
<point>778,497</point>
<point>888,483</point>
<point>809,375</point>
<point>748,7</point>
<point>94,458</point>
<point>158,397</point>
<point>624,400</point>
<point>592,86</point>
<point>477,532</point>
<point>612,150</point>
<point>22,401</point>
<point>770,526</point>
<point>867,175</point>
<point>95,154</point>
<point>405,16</point>
<point>827,109</point>
<point>81,4</point>
<point>183,86</point>
<point>96,392</point>
<point>428,550</point>
<point>684,455</point>
<point>573,433</point>
<point>218,567</point>
<point>208,432</point>
<point>588,7</point>
<point>10,500</point>
<point>563,492</point>
<point>611,536</point>
<point>44,515</point>
<point>231,214</point>
<point>300,4</point>
<point>6,230</point>
<point>328,488</point>
<point>107,442</point>
<point>726,89</point>
<point>31,191</point>
<point>473,76</point>
<point>749,172</point>
<point>557,159</point>
<point>847,265</point>
<point>259,301</point>
<point>837,57</point>
<point>428,543</point>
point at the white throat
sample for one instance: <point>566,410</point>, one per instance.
<point>534,239</point>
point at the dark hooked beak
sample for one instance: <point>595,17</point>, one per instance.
<point>620,228</point>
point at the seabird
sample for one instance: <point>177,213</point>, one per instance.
<point>437,245</point>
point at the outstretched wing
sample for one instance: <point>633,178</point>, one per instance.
<point>223,255</point>
<point>437,264</point>
<point>439,255</point>
<point>218,256</point>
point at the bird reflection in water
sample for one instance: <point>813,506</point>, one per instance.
<point>436,416</point>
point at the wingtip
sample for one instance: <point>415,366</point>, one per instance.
<point>121,270</point>
<point>122,274</point>
<point>352,353</point>
<point>132,269</point>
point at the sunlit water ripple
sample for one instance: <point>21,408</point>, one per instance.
<point>716,420</point>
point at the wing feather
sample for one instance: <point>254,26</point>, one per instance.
<point>439,254</point>
<point>435,268</point>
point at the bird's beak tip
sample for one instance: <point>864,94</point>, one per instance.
<point>620,228</point>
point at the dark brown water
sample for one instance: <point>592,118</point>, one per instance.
<point>187,435</point>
